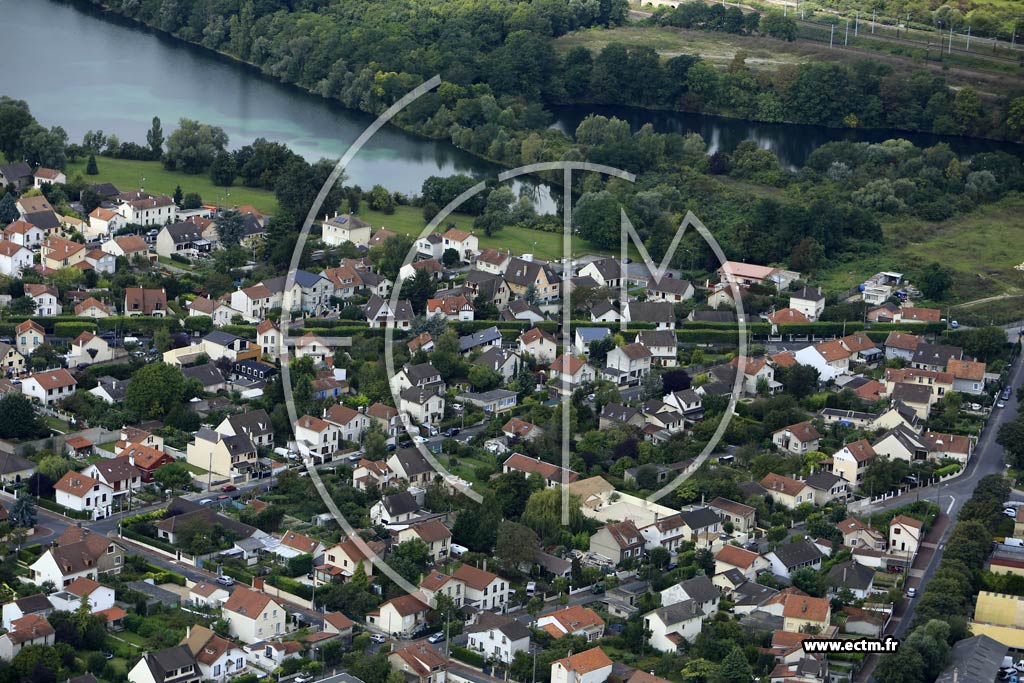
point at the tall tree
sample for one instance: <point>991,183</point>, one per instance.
<point>155,138</point>
<point>230,228</point>
<point>8,209</point>
<point>193,146</point>
<point>23,512</point>
<point>14,118</point>
<point>222,171</point>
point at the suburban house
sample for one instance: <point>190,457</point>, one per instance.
<point>423,404</point>
<point>968,376</point>
<point>829,358</point>
<point>225,456</point>
<point>14,258</point>
<point>857,534</point>
<point>674,625</point>
<point>539,344</point>
<point>522,275</point>
<point>207,594</point>
<point>57,253</point>
<point>484,590</point>
<point>789,557</point>
<point>464,243</point>
<point>809,301</point>
<point>400,616</point>
<point>553,475</point>
<point>577,620</point>
<point>345,229</point>
<point>140,301</point>
<point>419,664</point>
<point>28,335</point>
<point>434,534</point>
<point>618,541</point>
<point>498,637</point>
<point>851,461</point>
<point>799,438</point>
<point>46,299</point>
<point>569,372</point>
<point>83,493</point>
<point>61,565</point>
<point>748,563</point>
<point>119,474</point>
<point>394,509</point>
<point>140,208</point>
<point>184,239</point>
<point>253,616</point>
<point>905,535</point>
<point>743,517</point>
<point>218,658</point>
<point>128,246</point>
<point>591,666</point>
<point>786,491</point>
<point>173,665</point>
<point>88,348</point>
<point>49,386</point>
<point>30,629</point>
<point>92,308</point>
<point>630,363</point>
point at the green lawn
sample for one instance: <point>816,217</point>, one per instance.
<point>981,247</point>
<point>408,220</point>
<point>108,446</point>
<point>127,175</point>
<point>193,468</point>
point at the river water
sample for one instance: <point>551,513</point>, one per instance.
<point>81,71</point>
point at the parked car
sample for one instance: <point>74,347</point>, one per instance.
<point>911,592</point>
<point>225,580</point>
<point>229,488</point>
<point>378,638</point>
<point>531,588</point>
<point>1010,512</point>
<point>436,638</point>
<point>303,678</point>
<point>597,588</point>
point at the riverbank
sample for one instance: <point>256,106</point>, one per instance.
<point>130,175</point>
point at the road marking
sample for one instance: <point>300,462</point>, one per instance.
<point>951,502</point>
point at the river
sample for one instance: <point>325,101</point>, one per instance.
<point>81,71</point>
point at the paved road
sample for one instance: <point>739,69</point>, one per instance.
<point>988,459</point>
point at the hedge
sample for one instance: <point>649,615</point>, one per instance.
<point>147,540</point>
<point>60,509</point>
<point>948,469</point>
<point>71,330</point>
<point>468,656</point>
<point>291,586</point>
<point>238,575</point>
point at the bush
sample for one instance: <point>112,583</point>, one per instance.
<point>468,656</point>
<point>61,510</point>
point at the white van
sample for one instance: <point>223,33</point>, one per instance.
<point>531,588</point>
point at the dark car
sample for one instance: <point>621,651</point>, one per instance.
<point>229,488</point>
<point>597,588</point>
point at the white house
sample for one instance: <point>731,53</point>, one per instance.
<point>809,301</point>
<point>673,624</point>
<point>498,637</point>
<point>104,222</point>
<point>82,493</point>
<point>172,665</point>
<point>207,594</point>
<point>424,405</point>
<point>46,298</point>
<point>14,258</point>
<point>829,358</point>
<point>28,335</point>
<point>399,616</point>
<point>143,209</point>
<point>218,658</point>
<point>345,229</point>
<point>589,666</point>
<point>31,629</point>
<point>88,348</point>
<point>484,590</point>
<point>61,565</point>
<point>466,244</point>
<point>569,372</point>
<point>69,599</point>
<point>539,344</point>
<point>253,616</point>
<point>49,386</point>
<point>631,362</point>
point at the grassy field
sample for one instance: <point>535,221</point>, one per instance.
<point>989,77</point>
<point>981,247</point>
<point>408,220</point>
<point>720,48</point>
<point>127,175</point>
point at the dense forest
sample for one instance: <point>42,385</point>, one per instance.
<point>499,66</point>
<point>500,69</point>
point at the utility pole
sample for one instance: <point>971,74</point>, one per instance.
<point>846,39</point>
<point>968,38</point>
<point>950,50</point>
<point>856,26</point>
<point>873,21</point>
<point>831,35</point>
